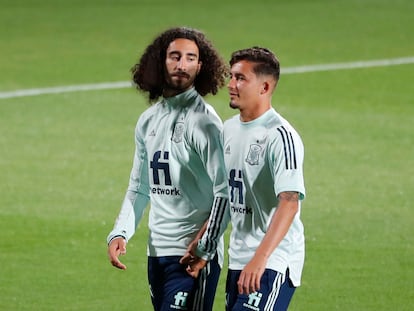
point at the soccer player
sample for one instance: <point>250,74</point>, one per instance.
<point>178,167</point>
<point>264,158</point>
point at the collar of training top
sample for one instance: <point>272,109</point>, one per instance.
<point>182,99</point>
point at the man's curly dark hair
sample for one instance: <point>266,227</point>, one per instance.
<point>149,73</point>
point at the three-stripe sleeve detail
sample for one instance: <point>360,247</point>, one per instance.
<point>288,148</point>
<point>215,223</point>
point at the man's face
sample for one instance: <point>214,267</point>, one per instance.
<point>244,86</point>
<point>182,65</point>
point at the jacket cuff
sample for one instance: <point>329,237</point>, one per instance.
<point>202,253</point>
<point>111,237</point>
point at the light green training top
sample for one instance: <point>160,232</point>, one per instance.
<point>263,158</point>
<point>179,168</point>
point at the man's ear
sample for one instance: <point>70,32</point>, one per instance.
<point>265,87</point>
<point>268,86</point>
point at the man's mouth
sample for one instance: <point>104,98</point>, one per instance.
<point>181,75</point>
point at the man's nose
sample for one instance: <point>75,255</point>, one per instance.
<point>182,64</point>
<point>230,84</point>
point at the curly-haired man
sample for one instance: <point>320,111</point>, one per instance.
<point>178,167</point>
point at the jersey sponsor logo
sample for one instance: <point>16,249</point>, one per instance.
<point>236,186</point>
<point>253,155</point>
<point>241,210</point>
<point>180,301</point>
<point>254,301</point>
<point>178,132</point>
<point>161,168</point>
<point>158,166</point>
<point>236,193</point>
<point>165,191</point>
<point>288,148</point>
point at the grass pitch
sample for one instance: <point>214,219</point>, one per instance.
<point>65,158</point>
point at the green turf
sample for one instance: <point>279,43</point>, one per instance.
<point>65,158</point>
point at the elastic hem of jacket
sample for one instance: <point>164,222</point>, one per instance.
<point>116,236</point>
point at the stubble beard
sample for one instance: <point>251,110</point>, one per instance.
<point>233,105</point>
<point>178,85</point>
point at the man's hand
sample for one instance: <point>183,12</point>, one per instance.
<point>116,248</point>
<point>249,280</point>
<point>194,264</point>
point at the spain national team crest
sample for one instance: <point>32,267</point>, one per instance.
<point>254,154</point>
<point>178,132</point>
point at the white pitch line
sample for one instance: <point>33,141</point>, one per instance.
<point>288,70</point>
<point>65,89</point>
<point>351,65</point>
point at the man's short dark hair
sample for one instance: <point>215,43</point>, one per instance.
<point>265,60</point>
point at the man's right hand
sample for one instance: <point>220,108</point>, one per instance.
<point>195,266</point>
<point>116,248</point>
